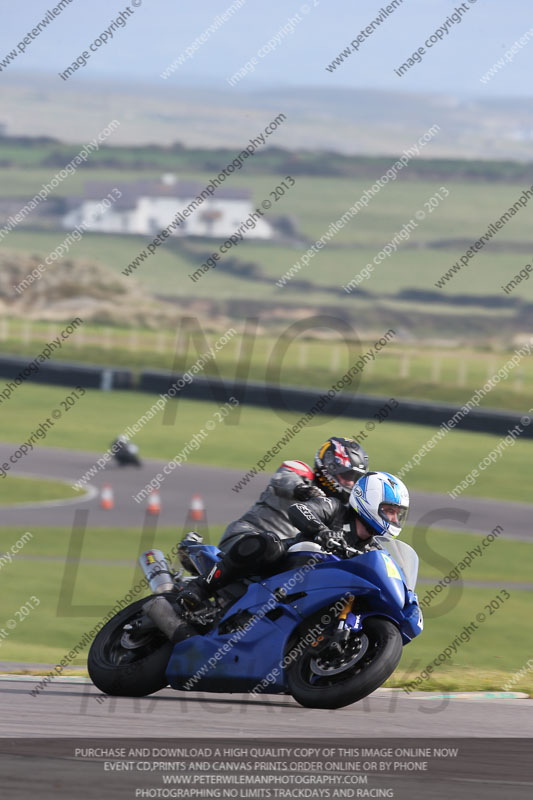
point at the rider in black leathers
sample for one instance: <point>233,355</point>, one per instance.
<point>257,540</point>
<point>124,452</point>
<point>338,464</point>
<point>377,509</point>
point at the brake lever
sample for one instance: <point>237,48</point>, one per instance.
<point>334,546</point>
<point>351,550</point>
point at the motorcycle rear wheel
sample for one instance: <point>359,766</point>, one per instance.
<point>135,670</point>
<point>315,688</point>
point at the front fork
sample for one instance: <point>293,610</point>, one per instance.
<point>348,624</point>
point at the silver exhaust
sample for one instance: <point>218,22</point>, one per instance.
<point>160,611</point>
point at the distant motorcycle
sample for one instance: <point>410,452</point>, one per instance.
<point>327,630</point>
<point>125,453</point>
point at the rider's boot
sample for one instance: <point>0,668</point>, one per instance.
<point>195,593</point>
<point>248,556</point>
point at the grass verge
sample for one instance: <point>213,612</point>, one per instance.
<point>32,490</point>
<point>466,679</point>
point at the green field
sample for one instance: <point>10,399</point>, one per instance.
<point>471,310</point>
<point>440,551</point>
<point>314,203</point>
<point>167,272</point>
<point>99,417</point>
<point>59,621</point>
<point>32,490</point>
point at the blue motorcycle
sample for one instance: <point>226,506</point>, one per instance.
<point>327,629</point>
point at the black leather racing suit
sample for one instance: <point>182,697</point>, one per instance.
<point>270,512</point>
<point>322,514</point>
<point>260,538</point>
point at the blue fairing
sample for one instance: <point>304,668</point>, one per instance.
<point>239,658</point>
<point>204,557</point>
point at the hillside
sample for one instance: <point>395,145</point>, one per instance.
<point>79,287</point>
<point>367,122</point>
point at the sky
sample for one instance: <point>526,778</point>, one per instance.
<point>157,31</point>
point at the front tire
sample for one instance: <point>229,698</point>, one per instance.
<point>128,666</point>
<point>317,679</point>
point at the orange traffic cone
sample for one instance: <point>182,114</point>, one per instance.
<point>197,509</point>
<point>154,503</point>
<point>107,500</point>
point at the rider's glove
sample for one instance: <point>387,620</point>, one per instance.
<point>332,541</point>
<point>306,491</point>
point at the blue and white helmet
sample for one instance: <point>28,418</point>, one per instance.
<point>374,491</point>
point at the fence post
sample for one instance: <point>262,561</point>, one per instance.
<point>106,383</point>
<point>335,359</point>
<point>26,332</point>
<point>462,372</point>
<point>435,370</point>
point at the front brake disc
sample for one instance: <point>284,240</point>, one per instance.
<point>340,662</point>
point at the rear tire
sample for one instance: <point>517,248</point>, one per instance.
<point>133,671</point>
<point>313,689</point>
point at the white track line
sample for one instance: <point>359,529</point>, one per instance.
<point>90,493</point>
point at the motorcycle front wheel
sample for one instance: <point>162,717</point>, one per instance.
<point>326,675</point>
<point>125,663</point>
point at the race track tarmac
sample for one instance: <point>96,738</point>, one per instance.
<point>81,710</point>
<point>46,741</point>
<point>222,504</point>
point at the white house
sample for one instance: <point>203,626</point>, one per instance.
<point>145,207</point>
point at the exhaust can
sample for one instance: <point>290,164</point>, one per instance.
<point>157,571</point>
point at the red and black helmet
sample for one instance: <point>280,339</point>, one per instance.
<point>339,463</point>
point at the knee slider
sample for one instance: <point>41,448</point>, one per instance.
<point>248,548</point>
<point>264,546</point>
<point>274,548</point>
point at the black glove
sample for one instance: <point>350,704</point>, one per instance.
<point>305,491</point>
<point>332,541</point>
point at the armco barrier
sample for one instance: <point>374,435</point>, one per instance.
<point>292,398</point>
<point>63,373</point>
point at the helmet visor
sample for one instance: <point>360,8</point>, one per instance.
<point>393,514</point>
<point>347,477</point>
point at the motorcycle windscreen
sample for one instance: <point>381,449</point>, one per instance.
<point>404,555</point>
